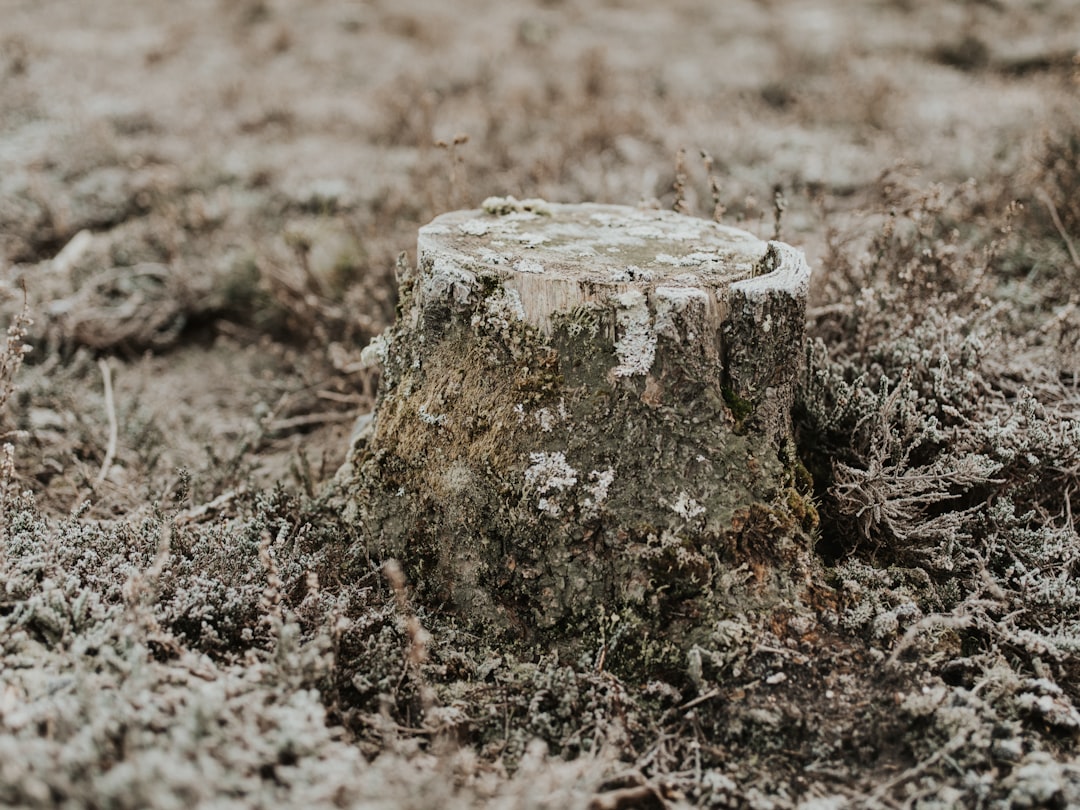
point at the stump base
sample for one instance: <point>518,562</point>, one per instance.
<point>586,452</point>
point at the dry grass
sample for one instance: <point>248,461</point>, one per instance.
<point>216,209</point>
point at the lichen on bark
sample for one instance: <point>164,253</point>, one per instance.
<point>573,473</point>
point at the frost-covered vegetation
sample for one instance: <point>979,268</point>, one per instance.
<point>265,658</point>
<point>187,619</point>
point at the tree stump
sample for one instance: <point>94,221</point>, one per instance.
<point>583,433</point>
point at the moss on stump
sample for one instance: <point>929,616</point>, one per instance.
<point>582,440</point>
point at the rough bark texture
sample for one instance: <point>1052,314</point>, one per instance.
<point>583,434</point>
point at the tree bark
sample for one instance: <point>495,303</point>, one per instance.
<point>583,434</point>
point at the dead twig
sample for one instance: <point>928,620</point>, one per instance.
<point>1049,203</point>
<point>954,744</point>
<point>629,798</point>
<point>699,700</point>
<point>197,513</point>
<point>719,209</point>
<point>309,419</point>
<point>13,351</point>
<point>680,205</point>
<point>779,207</point>
<point>110,411</point>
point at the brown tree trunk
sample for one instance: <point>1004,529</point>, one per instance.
<point>583,434</point>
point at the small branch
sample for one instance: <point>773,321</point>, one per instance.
<point>110,410</point>
<point>680,206</point>
<point>929,622</point>
<point>1049,203</point>
<point>954,744</point>
<point>779,207</point>
<point>629,797</point>
<point>699,700</point>
<point>197,513</point>
<point>308,420</point>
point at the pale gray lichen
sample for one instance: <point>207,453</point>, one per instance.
<point>672,304</point>
<point>448,279</point>
<point>686,507</point>
<point>532,239</point>
<point>636,345</point>
<point>545,420</point>
<point>598,490</point>
<point>549,476</point>
<point>697,258</point>
<point>437,420</point>
<point>374,354</point>
<point>500,310</point>
<point>528,266</point>
<point>475,227</point>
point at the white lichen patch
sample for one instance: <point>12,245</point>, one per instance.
<point>678,298</point>
<point>695,259</point>
<point>622,275</point>
<point>598,490</point>
<point>545,420</point>
<point>528,266</point>
<point>671,306</point>
<point>500,311</point>
<point>428,418</point>
<point>550,477</point>
<point>374,354</point>
<point>475,227</point>
<point>636,344</point>
<point>448,279</point>
<point>648,232</point>
<point>532,239</point>
<point>492,256</point>
<point>686,507</point>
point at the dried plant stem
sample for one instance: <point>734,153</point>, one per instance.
<point>270,602</point>
<point>416,651</point>
<point>418,637</point>
<point>680,205</point>
<point>110,410</point>
<point>719,209</point>
<point>881,793</point>
<point>7,473</point>
<point>197,513</point>
<point>779,206</point>
<point>307,420</point>
<point>1049,203</point>
<point>13,351</point>
<point>456,166</point>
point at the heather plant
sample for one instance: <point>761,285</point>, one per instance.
<point>914,394</point>
<point>942,428</point>
<point>12,352</point>
<point>225,637</point>
<point>107,695</point>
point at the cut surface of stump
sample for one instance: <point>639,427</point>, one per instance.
<point>582,439</point>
